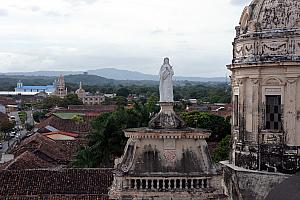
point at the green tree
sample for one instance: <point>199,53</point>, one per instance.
<point>39,115</point>
<point>49,102</point>
<point>152,105</point>
<point>70,99</point>
<point>123,91</point>
<point>223,150</point>
<point>23,117</point>
<point>120,101</point>
<point>219,126</point>
<point>107,140</point>
<point>6,126</point>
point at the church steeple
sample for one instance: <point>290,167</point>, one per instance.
<point>19,84</point>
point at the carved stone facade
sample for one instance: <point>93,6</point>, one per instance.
<point>266,99</point>
<point>266,87</point>
<point>268,31</point>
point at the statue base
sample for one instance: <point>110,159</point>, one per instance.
<point>166,118</point>
<point>166,164</point>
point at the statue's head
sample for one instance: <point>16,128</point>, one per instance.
<point>166,61</point>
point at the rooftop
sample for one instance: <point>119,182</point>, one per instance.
<point>37,87</point>
<point>67,115</point>
<point>83,184</point>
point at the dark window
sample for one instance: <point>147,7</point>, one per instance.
<point>273,112</point>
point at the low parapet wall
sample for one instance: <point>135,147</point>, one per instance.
<point>243,184</point>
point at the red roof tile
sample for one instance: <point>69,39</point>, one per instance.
<point>55,184</point>
<point>27,160</point>
<point>66,125</point>
<point>47,149</point>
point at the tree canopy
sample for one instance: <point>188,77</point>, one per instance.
<point>53,101</point>
<point>219,126</point>
<point>107,140</point>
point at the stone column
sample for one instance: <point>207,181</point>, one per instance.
<point>255,109</point>
<point>242,96</point>
<point>290,111</point>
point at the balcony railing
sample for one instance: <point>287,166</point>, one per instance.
<point>166,183</point>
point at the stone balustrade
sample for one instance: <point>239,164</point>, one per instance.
<point>174,183</point>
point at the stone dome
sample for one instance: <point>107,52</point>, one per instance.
<point>80,91</point>
<point>269,31</point>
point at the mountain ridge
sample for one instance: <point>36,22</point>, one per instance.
<point>116,74</point>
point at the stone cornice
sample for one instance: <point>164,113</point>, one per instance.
<point>188,133</point>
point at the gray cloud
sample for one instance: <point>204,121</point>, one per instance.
<point>3,13</point>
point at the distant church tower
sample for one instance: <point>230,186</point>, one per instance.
<point>60,87</point>
<point>19,84</point>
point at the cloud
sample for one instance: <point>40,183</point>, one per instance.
<point>18,61</point>
<point>3,13</point>
<point>128,34</point>
<point>78,2</point>
<point>239,2</point>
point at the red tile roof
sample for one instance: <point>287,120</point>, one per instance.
<point>55,184</point>
<point>7,101</point>
<point>27,160</point>
<point>66,125</point>
<point>47,149</point>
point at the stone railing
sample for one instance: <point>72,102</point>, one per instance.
<point>175,183</point>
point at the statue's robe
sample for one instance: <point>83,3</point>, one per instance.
<point>166,83</point>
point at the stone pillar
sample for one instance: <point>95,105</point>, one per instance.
<point>255,109</point>
<point>290,111</point>
<point>242,121</point>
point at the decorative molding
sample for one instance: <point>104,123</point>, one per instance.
<point>273,81</point>
<point>292,80</point>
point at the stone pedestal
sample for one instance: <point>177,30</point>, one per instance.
<point>166,161</point>
<point>166,118</point>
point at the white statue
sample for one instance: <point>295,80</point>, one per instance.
<point>166,82</point>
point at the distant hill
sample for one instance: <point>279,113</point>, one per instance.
<point>117,74</point>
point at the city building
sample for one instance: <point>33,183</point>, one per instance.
<point>87,98</point>
<point>266,99</point>
<point>34,89</point>
<point>60,87</point>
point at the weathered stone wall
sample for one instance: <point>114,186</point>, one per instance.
<point>241,184</point>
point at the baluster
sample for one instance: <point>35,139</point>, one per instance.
<point>146,184</point>
<point>198,183</point>
<point>135,184</point>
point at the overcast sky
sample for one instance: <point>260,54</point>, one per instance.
<point>125,34</point>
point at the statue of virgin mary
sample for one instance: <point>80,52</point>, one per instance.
<point>166,82</point>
